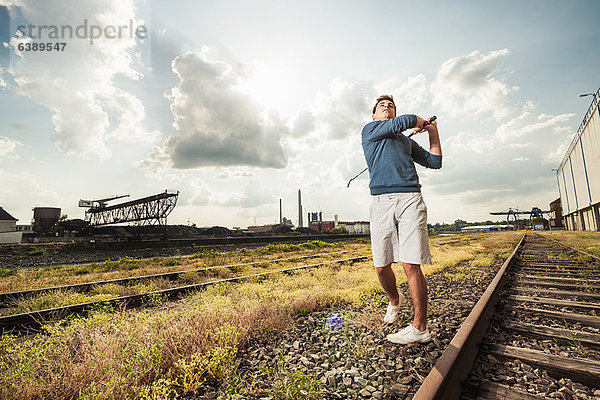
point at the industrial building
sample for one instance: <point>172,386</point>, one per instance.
<point>8,228</point>
<point>578,176</point>
<point>315,221</point>
<point>556,218</point>
<point>486,228</point>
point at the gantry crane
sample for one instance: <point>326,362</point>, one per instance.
<point>535,212</point>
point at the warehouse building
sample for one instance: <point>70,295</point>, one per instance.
<point>8,228</point>
<point>578,176</point>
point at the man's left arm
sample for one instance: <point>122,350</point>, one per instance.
<point>433,158</point>
<point>435,146</point>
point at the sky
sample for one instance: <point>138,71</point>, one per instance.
<point>238,104</point>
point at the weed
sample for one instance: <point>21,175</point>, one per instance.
<point>193,342</point>
<point>154,299</point>
<point>190,277</point>
<point>82,270</point>
<point>593,250</point>
<point>243,252</point>
<point>162,389</point>
<point>123,263</point>
<point>53,299</point>
<point>169,262</point>
<point>293,385</point>
<point>5,272</point>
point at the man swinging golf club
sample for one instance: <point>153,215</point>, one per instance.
<point>398,213</point>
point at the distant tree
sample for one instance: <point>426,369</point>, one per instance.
<point>339,229</point>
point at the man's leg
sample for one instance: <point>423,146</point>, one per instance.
<point>417,287</point>
<point>387,278</point>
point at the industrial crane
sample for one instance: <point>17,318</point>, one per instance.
<point>534,213</point>
<point>100,203</point>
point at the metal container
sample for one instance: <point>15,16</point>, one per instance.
<point>46,217</point>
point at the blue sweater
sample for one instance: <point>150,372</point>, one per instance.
<point>391,156</point>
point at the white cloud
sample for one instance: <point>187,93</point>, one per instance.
<point>198,193</point>
<point>304,124</point>
<point>228,173</point>
<point>409,94</point>
<point>216,124</point>
<point>342,111</point>
<point>131,113</point>
<point>156,163</point>
<point>528,124</point>
<point>468,142</point>
<point>465,85</point>
<point>77,84</point>
<point>253,195</point>
<point>492,163</point>
<point>21,191</point>
<point>8,147</point>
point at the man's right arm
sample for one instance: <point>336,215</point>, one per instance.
<point>377,130</point>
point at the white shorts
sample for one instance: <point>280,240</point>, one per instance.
<point>399,229</point>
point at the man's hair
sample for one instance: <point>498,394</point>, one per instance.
<point>383,97</point>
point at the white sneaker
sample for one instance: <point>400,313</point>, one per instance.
<point>391,315</point>
<point>410,334</point>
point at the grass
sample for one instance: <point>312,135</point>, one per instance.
<point>59,298</point>
<point>179,348</point>
<point>130,267</point>
<point>583,240</point>
<point>5,272</point>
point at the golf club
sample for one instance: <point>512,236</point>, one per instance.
<point>425,123</point>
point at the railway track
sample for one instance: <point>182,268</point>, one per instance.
<point>10,297</point>
<point>31,321</point>
<point>99,250</point>
<point>535,332</point>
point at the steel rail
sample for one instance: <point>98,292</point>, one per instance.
<point>8,297</point>
<point>444,380</point>
<point>33,320</point>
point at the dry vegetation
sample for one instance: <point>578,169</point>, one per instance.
<point>320,252</point>
<point>174,349</point>
<point>126,267</point>
<point>583,240</point>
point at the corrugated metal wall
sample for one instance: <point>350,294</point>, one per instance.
<point>591,144</point>
<point>578,176</point>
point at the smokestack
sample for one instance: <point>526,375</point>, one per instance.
<point>280,214</point>
<point>299,209</point>
<point>335,224</point>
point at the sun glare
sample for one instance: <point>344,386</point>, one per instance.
<point>268,86</point>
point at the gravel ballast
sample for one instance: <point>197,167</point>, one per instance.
<point>357,361</point>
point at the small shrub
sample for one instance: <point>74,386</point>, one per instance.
<point>154,299</point>
<point>123,264</point>
<point>162,389</point>
<point>243,252</point>
<point>293,385</point>
<point>4,272</point>
<point>169,262</point>
<point>83,270</point>
<point>593,250</point>
<point>190,277</point>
